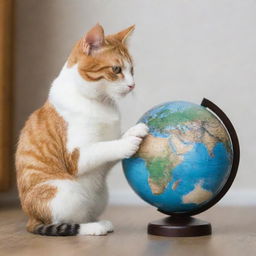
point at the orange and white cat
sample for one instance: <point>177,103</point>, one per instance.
<point>68,146</point>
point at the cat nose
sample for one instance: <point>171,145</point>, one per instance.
<point>131,86</point>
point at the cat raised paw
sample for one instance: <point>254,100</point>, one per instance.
<point>139,130</point>
<point>129,146</point>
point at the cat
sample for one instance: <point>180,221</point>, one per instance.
<point>68,146</point>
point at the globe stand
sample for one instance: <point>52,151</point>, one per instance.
<point>182,224</point>
<point>179,226</point>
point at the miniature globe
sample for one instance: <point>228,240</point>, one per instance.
<point>184,161</point>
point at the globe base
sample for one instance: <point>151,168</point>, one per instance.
<point>179,226</point>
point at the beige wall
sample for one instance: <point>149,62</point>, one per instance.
<point>184,50</point>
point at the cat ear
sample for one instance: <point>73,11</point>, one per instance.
<point>124,34</point>
<point>93,40</point>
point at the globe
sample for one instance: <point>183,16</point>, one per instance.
<point>185,160</point>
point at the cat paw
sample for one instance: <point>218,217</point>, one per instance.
<point>108,224</point>
<point>96,228</point>
<point>129,146</point>
<point>139,130</point>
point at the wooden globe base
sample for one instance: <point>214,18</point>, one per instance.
<point>179,226</point>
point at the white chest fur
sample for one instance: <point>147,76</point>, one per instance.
<point>91,126</point>
<point>88,120</point>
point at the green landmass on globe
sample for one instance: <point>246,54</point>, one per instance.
<point>184,129</point>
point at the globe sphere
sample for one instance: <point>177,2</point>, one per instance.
<point>184,161</point>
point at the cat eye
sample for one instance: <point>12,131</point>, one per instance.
<point>117,69</point>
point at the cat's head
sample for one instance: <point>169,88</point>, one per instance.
<point>103,63</point>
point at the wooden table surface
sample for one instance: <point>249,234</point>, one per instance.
<point>234,233</point>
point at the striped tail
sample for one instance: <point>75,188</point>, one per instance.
<point>57,229</point>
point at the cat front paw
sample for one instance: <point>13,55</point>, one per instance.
<point>96,228</point>
<point>139,130</point>
<point>108,225</point>
<point>129,146</point>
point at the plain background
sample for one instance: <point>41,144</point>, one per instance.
<point>183,50</point>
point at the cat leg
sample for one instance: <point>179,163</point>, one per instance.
<point>96,228</point>
<point>96,155</point>
<point>72,205</point>
<point>68,213</point>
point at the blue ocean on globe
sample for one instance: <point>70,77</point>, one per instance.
<point>184,161</point>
